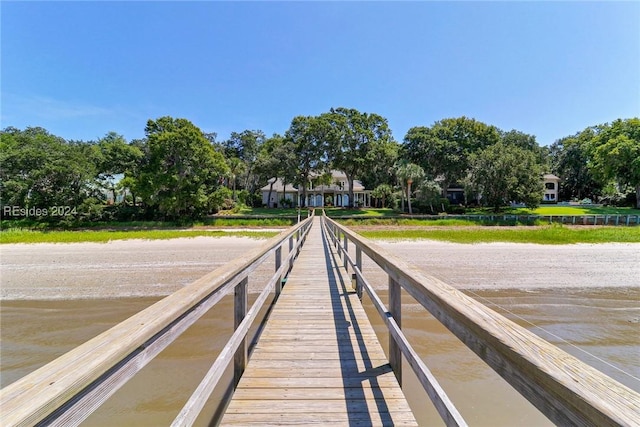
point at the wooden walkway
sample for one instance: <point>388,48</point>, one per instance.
<point>318,360</point>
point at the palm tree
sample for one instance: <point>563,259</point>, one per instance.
<point>382,191</point>
<point>409,172</point>
<point>236,167</point>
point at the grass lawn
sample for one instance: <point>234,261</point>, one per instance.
<point>104,236</point>
<point>264,212</point>
<point>544,210</point>
<point>549,235</point>
<point>579,210</point>
<point>332,212</point>
<point>454,229</point>
<point>368,212</point>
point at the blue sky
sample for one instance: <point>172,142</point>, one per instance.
<point>82,69</point>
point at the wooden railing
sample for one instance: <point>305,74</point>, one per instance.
<point>566,390</point>
<point>67,390</point>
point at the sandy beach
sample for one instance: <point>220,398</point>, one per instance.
<point>136,268</point>
<point>524,265</point>
<point>118,269</point>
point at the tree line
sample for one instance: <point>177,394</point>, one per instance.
<point>178,171</point>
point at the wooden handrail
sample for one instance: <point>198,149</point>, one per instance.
<point>398,343</point>
<point>68,389</point>
<point>565,389</point>
<point>236,347</point>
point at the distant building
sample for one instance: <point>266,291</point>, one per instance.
<point>551,187</point>
<point>455,193</point>
<point>279,193</point>
<point>334,194</point>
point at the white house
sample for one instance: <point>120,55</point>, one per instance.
<point>279,193</point>
<point>551,187</point>
<point>318,195</point>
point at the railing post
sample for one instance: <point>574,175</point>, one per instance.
<point>395,308</point>
<point>290,250</point>
<point>346,251</point>
<point>359,265</point>
<point>240,301</point>
<point>278,264</point>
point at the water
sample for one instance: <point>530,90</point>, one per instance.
<point>600,326</point>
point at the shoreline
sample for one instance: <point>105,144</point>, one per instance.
<point>156,268</point>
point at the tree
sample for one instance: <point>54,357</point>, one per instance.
<point>616,153</point>
<point>182,169</point>
<point>443,150</point>
<point>268,166</point>
<point>504,173</point>
<point>527,142</point>
<point>307,136</point>
<point>117,158</point>
<point>274,161</point>
<point>245,146</point>
<point>41,170</point>
<point>570,161</point>
<point>381,193</point>
<point>409,173</point>
<point>428,191</point>
<point>236,168</point>
<point>352,138</point>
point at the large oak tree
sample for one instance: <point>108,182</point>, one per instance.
<point>307,136</point>
<point>45,171</point>
<point>182,169</point>
<point>616,153</point>
<point>505,173</point>
<point>353,138</point>
<point>444,149</point>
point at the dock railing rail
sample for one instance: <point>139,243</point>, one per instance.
<point>68,389</point>
<point>565,389</point>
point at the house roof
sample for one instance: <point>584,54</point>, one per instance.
<point>551,177</point>
<point>339,176</point>
<point>278,187</point>
<point>336,176</point>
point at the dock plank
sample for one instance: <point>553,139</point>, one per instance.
<point>318,360</point>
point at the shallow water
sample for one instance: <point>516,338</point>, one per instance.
<point>599,326</point>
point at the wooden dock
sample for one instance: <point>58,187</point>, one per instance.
<point>318,360</point>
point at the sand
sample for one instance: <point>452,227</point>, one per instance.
<point>123,268</point>
<point>136,268</point>
<point>524,265</point>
